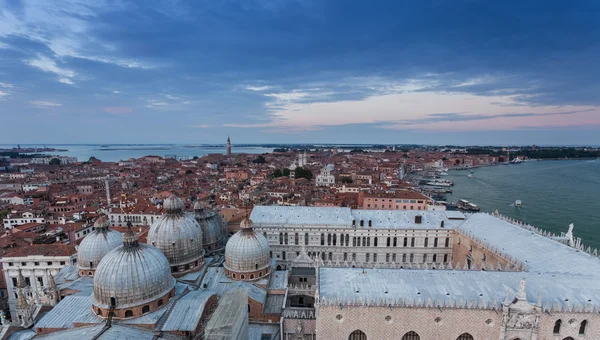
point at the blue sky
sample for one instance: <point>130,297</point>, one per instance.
<point>434,72</point>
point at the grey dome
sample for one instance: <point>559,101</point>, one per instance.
<point>134,274</point>
<point>173,204</point>
<point>97,244</point>
<point>177,234</point>
<point>210,223</point>
<point>247,251</point>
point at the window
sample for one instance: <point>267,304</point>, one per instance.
<point>10,264</point>
<point>283,255</point>
<point>347,239</point>
<point>357,335</point>
<point>393,257</point>
<point>434,258</point>
<point>328,239</point>
<point>62,263</point>
<point>251,276</point>
<point>370,223</point>
<point>447,243</point>
<point>368,257</point>
<point>387,244</point>
<point>426,242</point>
<point>334,239</point>
<point>305,239</point>
<point>445,258</point>
<point>296,239</point>
<point>412,257</point>
<point>375,242</point>
<point>412,241</point>
<point>40,280</point>
<point>145,309</point>
<point>435,242</point>
<point>14,281</point>
<point>411,336</point>
<point>557,325</point>
<point>362,223</point>
<point>582,327</point>
<point>285,238</point>
<point>159,303</point>
<point>330,256</point>
<point>353,256</point>
<point>405,241</point>
<point>395,242</point>
<point>368,241</point>
<point>465,336</point>
<point>243,277</point>
<point>322,239</point>
<point>36,263</point>
<point>374,257</point>
<point>345,256</point>
<point>403,257</point>
<point>354,241</point>
<point>128,313</point>
<point>424,258</point>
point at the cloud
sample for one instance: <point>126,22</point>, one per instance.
<point>258,88</point>
<point>5,90</point>
<point>118,110</point>
<point>202,126</point>
<point>45,104</point>
<point>48,65</point>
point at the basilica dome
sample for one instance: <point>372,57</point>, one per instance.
<point>96,245</point>
<point>179,237</point>
<point>247,254</point>
<point>134,278</point>
<point>211,225</point>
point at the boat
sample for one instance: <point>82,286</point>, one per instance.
<point>518,203</point>
<point>470,176</point>
<point>443,173</point>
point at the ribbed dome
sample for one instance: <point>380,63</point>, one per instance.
<point>173,204</point>
<point>177,234</point>
<point>210,223</point>
<point>97,244</point>
<point>134,274</point>
<point>247,251</point>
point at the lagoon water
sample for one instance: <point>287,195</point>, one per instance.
<point>115,153</point>
<point>554,194</point>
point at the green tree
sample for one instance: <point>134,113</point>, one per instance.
<point>259,160</point>
<point>286,172</point>
<point>54,161</point>
<point>277,173</point>
<point>303,173</point>
<point>346,180</point>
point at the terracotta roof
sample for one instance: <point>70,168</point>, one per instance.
<point>43,250</point>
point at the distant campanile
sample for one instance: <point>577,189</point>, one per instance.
<point>228,146</point>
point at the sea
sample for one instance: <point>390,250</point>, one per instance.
<point>117,152</point>
<point>554,194</point>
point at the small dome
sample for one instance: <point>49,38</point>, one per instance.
<point>211,225</point>
<point>247,252</point>
<point>178,236</point>
<point>133,274</point>
<point>96,245</point>
<point>173,204</point>
<point>246,223</point>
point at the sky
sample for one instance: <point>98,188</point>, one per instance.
<point>306,71</point>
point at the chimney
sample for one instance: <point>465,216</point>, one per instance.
<point>418,219</point>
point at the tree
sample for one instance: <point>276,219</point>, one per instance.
<point>286,172</point>
<point>346,180</point>
<point>260,160</point>
<point>195,157</point>
<point>54,161</point>
<point>303,173</point>
<point>277,173</point>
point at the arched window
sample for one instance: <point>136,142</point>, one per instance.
<point>256,266</point>
<point>233,275</point>
<point>375,242</point>
<point>159,303</point>
<point>334,239</point>
<point>568,338</point>
<point>465,336</point>
<point>353,222</point>
<point>411,336</point>
<point>296,238</point>
<point>405,241</point>
<point>347,240</point>
<point>362,223</point>
<point>305,239</point>
<point>328,239</point>
<point>322,239</point>
<point>280,238</point>
<point>412,241</point>
<point>357,335</point>
<point>251,276</point>
<point>557,325</point>
<point>395,242</point>
<point>99,312</point>
<point>435,242</point>
<point>128,313</point>
<point>145,309</point>
<point>285,238</point>
<point>387,244</point>
<point>582,327</point>
<point>242,276</point>
<point>370,223</point>
<point>426,242</point>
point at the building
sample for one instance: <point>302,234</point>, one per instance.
<point>36,264</point>
<point>325,178</point>
<point>360,238</point>
<point>398,200</point>
<point>228,146</point>
<point>12,221</point>
<point>46,160</point>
